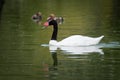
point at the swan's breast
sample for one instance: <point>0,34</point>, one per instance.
<point>53,42</point>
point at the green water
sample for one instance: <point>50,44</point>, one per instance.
<point>24,50</point>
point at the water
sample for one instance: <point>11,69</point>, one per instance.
<point>26,55</point>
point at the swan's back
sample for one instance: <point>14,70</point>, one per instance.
<point>79,40</point>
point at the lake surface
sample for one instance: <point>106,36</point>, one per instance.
<point>26,55</point>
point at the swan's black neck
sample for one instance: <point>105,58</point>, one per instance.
<point>55,29</point>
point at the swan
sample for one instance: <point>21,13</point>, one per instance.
<point>74,40</point>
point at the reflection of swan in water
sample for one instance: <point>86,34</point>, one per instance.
<point>84,49</point>
<point>77,50</point>
<point>54,57</point>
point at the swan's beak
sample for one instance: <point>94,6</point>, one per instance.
<point>46,24</point>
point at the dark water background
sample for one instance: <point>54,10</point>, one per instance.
<point>24,50</point>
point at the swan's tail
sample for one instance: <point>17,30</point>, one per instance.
<point>99,39</point>
<point>101,36</point>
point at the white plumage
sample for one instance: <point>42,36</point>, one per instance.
<point>77,40</point>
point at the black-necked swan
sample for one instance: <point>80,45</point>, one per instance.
<point>74,40</point>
